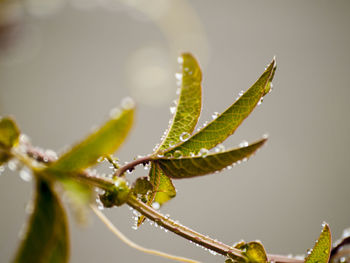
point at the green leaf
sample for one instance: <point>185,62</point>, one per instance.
<point>253,252</point>
<point>165,189</point>
<point>47,238</point>
<point>200,165</point>
<point>162,189</point>
<point>322,249</point>
<point>9,133</point>
<point>182,125</point>
<point>104,141</point>
<point>79,196</point>
<point>226,123</point>
<point>189,104</point>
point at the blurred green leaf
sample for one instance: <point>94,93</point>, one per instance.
<point>104,141</point>
<point>9,133</point>
<point>189,105</point>
<point>227,122</point>
<point>47,238</point>
<point>322,249</point>
<point>186,167</point>
<point>79,196</point>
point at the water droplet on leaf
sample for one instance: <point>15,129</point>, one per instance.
<point>25,175</point>
<point>204,152</point>
<point>128,103</point>
<point>114,113</point>
<point>184,136</point>
<point>178,76</point>
<point>220,148</point>
<point>215,115</point>
<point>243,144</point>
<point>177,154</point>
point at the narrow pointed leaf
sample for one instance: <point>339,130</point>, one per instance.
<point>47,238</point>
<point>226,123</point>
<point>322,249</point>
<point>182,125</point>
<point>189,104</point>
<point>104,141</point>
<point>186,167</point>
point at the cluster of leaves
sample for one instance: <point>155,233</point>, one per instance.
<point>181,154</point>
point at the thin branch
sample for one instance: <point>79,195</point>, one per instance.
<point>130,243</point>
<point>163,220</point>
<point>131,165</point>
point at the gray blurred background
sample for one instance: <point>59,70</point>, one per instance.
<point>65,63</point>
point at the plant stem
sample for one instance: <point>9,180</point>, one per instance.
<point>131,165</point>
<point>130,243</point>
<point>158,218</point>
<point>194,236</point>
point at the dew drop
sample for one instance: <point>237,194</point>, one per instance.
<point>243,144</point>
<point>215,115</point>
<point>203,152</point>
<point>346,233</point>
<point>260,101</point>
<point>25,175</point>
<point>229,167</point>
<point>178,91</point>
<point>13,165</point>
<point>24,139</point>
<point>160,155</point>
<point>115,113</point>
<point>178,76</point>
<point>100,159</point>
<point>171,144</point>
<point>2,169</point>
<point>184,136</point>
<point>180,60</point>
<point>29,208</point>
<point>342,260</point>
<point>177,154</point>
<point>220,148</point>
<point>128,103</point>
<point>172,110</point>
<point>52,155</point>
<point>134,227</point>
<point>155,205</point>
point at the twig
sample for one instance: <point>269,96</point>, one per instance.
<point>130,243</point>
<point>162,220</point>
<point>131,165</point>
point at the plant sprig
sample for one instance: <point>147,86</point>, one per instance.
<point>181,154</point>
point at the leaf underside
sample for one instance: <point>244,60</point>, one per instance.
<point>47,238</point>
<point>322,249</point>
<point>187,167</point>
